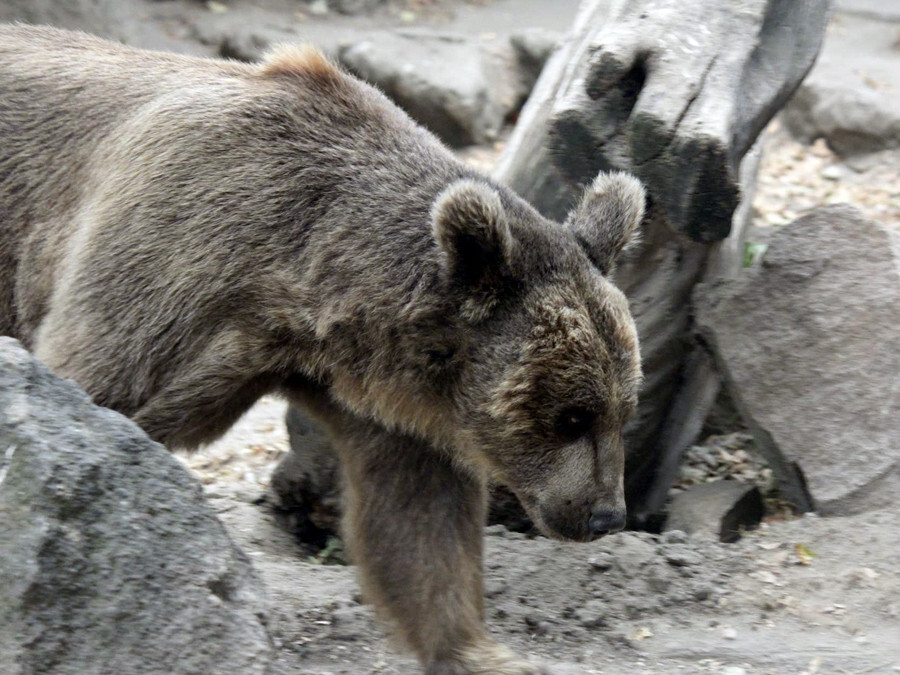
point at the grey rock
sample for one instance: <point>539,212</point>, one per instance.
<point>720,509</point>
<point>631,554</point>
<point>808,343</point>
<point>681,555</point>
<point>495,587</point>
<point>539,622</point>
<point>112,561</point>
<point>661,579</point>
<point>852,96</point>
<point>601,562</point>
<point>461,89</point>
<point>351,623</point>
<point>674,536</point>
<point>99,16</point>
<point>248,30</point>
<point>241,45</point>
<point>702,591</point>
<point>495,530</point>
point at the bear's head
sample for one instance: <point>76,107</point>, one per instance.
<point>539,353</point>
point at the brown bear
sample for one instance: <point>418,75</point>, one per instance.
<point>182,235</point>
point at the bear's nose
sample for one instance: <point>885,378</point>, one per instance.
<point>605,521</point>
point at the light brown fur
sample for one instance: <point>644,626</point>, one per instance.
<point>181,236</point>
<point>301,60</point>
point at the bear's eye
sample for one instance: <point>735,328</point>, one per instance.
<point>573,423</point>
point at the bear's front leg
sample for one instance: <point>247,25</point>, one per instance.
<point>414,525</point>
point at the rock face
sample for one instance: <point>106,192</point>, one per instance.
<point>459,88</point>
<point>112,561</point>
<point>808,343</point>
<point>852,97</point>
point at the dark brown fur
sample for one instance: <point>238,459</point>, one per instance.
<point>182,236</point>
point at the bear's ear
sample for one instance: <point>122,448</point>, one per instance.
<point>471,228</point>
<point>607,220</point>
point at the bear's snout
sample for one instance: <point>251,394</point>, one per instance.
<point>580,522</point>
<point>606,521</point>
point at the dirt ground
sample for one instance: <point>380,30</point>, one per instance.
<point>810,595</point>
<point>798,596</point>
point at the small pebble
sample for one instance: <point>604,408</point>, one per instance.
<point>681,556</point>
<point>729,633</point>
<point>702,592</point>
<point>831,172</point>
<point>601,562</point>
<point>674,537</point>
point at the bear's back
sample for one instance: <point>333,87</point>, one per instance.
<point>191,141</point>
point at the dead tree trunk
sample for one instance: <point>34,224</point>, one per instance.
<point>676,93</point>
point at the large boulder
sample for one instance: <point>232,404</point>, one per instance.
<point>460,88</point>
<point>808,343</point>
<point>112,561</point>
<point>852,96</point>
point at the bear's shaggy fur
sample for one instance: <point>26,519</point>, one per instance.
<point>182,236</point>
